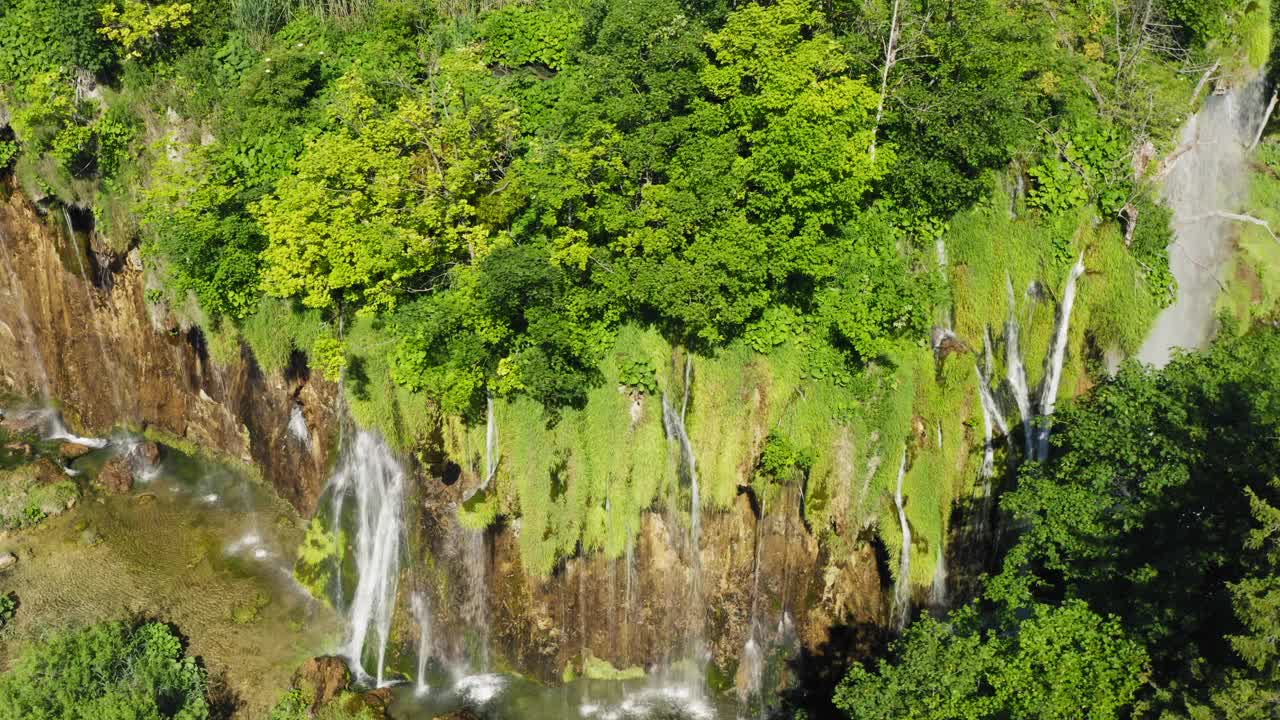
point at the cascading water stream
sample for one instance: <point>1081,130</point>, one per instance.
<point>1016,372</point>
<point>902,586</point>
<point>371,474</point>
<point>990,414</point>
<point>1057,355</point>
<point>674,424</point>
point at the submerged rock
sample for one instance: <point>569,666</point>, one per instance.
<point>148,452</point>
<point>72,451</point>
<point>116,476</point>
<point>324,678</point>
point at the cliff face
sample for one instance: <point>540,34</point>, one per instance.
<point>76,328</point>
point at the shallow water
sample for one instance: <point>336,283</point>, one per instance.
<point>194,545</point>
<point>508,697</point>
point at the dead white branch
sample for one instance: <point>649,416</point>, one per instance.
<point>1266,118</point>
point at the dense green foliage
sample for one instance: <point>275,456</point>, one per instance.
<point>112,670</point>
<point>1106,564</point>
<point>577,211</point>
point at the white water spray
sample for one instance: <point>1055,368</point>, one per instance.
<point>1057,354</point>
<point>375,478</point>
<point>298,425</point>
<point>1209,176</point>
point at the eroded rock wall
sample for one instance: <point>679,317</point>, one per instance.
<point>75,327</point>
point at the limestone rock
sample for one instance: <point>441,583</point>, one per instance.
<point>8,560</point>
<point>116,476</point>
<point>71,451</point>
<point>326,676</point>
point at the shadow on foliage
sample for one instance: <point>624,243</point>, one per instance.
<point>818,672</point>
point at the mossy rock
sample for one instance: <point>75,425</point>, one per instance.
<point>32,492</point>
<point>594,668</point>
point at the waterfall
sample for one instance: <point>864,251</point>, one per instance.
<point>902,587</point>
<point>1016,372</point>
<point>421,616</point>
<point>1207,176</point>
<point>1057,354</point>
<point>371,474</point>
<point>490,441</point>
<point>298,425</point>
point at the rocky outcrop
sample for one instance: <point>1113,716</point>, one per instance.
<point>77,327</point>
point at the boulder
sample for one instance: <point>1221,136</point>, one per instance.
<point>325,677</point>
<point>463,714</point>
<point>19,448</point>
<point>8,560</point>
<point>116,476</point>
<point>71,451</point>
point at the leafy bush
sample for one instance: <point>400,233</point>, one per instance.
<point>110,670</point>
<point>8,608</point>
<point>639,375</point>
<point>517,34</point>
<point>140,28</point>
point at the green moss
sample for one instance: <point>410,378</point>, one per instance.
<point>321,551</point>
<point>404,418</point>
<point>594,668</point>
<point>479,511</point>
<point>1253,285</point>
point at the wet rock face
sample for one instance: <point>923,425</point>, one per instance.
<point>640,614</point>
<point>81,331</point>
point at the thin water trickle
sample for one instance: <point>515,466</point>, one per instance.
<point>490,441</point>
<point>1017,374</point>
<point>1057,355</point>
<point>902,586</point>
<point>371,474</point>
<point>422,616</point>
<point>95,329</point>
<point>298,425</point>
<point>938,588</point>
